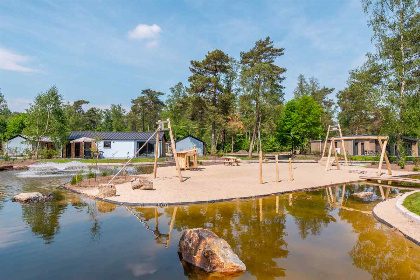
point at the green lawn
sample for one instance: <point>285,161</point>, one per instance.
<point>412,203</point>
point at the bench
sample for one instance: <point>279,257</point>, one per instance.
<point>230,161</point>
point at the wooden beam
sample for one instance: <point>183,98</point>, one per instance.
<point>342,144</point>
<point>277,168</point>
<point>382,157</point>
<point>261,179</point>
<point>362,138</point>
<point>342,195</point>
<point>326,140</point>
<point>156,154</point>
<point>174,151</point>
<point>388,165</point>
<point>329,156</point>
<point>335,155</point>
<point>277,204</point>
<point>290,170</point>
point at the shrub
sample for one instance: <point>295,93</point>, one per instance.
<point>49,153</point>
<point>373,163</point>
<point>416,168</point>
<point>6,157</point>
<point>104,174</point>
<point>91,175</point>
<point>401,163</point>
<point>73,180</point>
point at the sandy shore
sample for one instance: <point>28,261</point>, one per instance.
<point>218,182</point>
<point>387,213</point>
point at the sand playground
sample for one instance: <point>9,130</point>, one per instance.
<point>214,183</point>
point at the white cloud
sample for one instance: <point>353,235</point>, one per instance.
<point>144,31</point>
<point>12,61</point>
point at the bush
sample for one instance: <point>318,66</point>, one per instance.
<point>416,168</point>
<point>6,157</point>
<point>73,180</point>
<point>91,175</point>
<point>104,174</point>
<point>49,153</point>
<point>373,163</point>
<point>401,163</point>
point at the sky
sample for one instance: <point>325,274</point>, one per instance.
<point>106,52</point>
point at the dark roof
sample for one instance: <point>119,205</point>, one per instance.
<point>198,139</point>
<point>114,135</point>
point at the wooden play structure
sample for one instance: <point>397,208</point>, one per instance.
<point>231,161</point>
<point>378,138</point>
<point>332,129</point>
<point>188,159</point>
<point>161,126</point>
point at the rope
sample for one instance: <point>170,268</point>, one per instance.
<point>125,165</point>
<point>142,221</point>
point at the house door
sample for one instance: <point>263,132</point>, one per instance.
<point>88,150</point>
<point>68,151</point>
<point>356,148</point>
<point>147,150</point>
<point>362,148</point>
<point>77,150</point>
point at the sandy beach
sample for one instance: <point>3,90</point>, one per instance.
<point>218,182</point>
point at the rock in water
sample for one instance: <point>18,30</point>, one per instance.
<point>31,197</point>
<point>106,190</point>
<point>363,194</point>
<point>204,249</point>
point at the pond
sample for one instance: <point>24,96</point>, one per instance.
<point>326,233</point>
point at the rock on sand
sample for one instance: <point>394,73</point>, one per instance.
<point>106,190</point>
<point>204,249</point>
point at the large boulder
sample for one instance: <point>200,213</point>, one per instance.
<point>106,190</point>
<point>204,249</point>
<point>141,184</point>
<point>32,197</point>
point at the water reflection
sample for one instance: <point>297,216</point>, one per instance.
<point>319,234</point>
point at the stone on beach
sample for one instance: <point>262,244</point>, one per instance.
<point>204,249</point>
<point>363,194</point>
<point>141,184</point>
<point>106,190</point>
<point>31,197</point>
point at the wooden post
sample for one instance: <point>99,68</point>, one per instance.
<point>382,192</point>
<point>277,204</point>
<point>261,211</point>
<point>290,170</point>
<point>156,151</point>
<point>329,156</point>
<point>336,157</point>
<point>290,199</point>
<point>326,141</point>
<point>342,144</point>
<point>171,226</point>
<point>277,168</point>
<point>382,157</point>
<point>387,192</point>
<point>342,195</point>
<point>174,151</point>
<point>336,194</point>
<point>261,179</point>
<point>388,165</point>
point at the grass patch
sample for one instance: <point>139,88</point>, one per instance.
<point>412,203</point>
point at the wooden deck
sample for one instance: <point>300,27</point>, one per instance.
<point>391,179</point>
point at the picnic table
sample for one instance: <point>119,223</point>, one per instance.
<point>230,161</point>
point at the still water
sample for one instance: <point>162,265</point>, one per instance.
<point>310,235</point>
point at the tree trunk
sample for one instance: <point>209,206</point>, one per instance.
<point>213,139</point>
<point>231,150</point>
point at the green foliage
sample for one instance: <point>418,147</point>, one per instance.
<point>6,157</point>
<point>49,153</point>
<point>401,163</point>
<point>15,125</point>
<point>91,175</point>
<point>104,173</point>
<point>416,168</point>
<point>145,110</point>
<point>73,180</point>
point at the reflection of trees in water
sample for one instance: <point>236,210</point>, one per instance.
<point>43,218</point>
<point>2,200</point>
<point>259,244</point>
<point>380,251</point>
<point>310,212</point>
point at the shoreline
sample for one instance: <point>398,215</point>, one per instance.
<point>216,183</point>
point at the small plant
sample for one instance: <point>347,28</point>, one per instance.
<point>6,157</point>
<point>91,175</point>
<point>416,168</point>
<point>73,180</point>
<point>401,163</point>
<point>104,174</point>
<point>373,163</point>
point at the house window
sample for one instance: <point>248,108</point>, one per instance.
<point>107,144</point>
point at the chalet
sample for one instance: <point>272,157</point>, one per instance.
<point>188,143</point>
<point>20,145</point>
<point>367,146</point>
<point>111,144</point>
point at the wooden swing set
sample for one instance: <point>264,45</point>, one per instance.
<point>382,145</point>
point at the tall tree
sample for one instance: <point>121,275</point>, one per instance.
<point>16,125</point>
<point>118,117</point>
<point>75,115</point>
<point>261,80</point>
<point>360,102</point>
<point>145,110</point>
<point>396,27</point>
<point>207,83</point>
<point>45,118</point>
<point>302,87</point>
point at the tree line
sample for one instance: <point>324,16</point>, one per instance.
<point>238,104</point>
